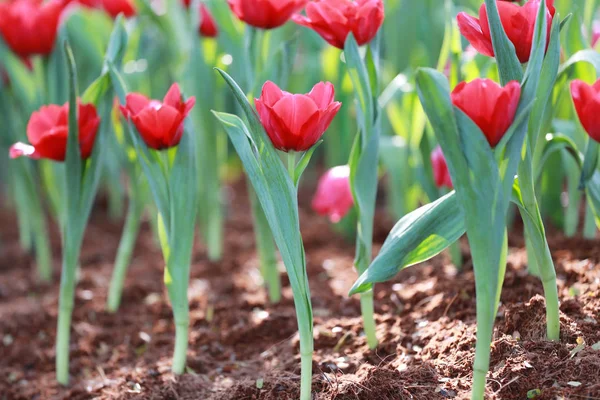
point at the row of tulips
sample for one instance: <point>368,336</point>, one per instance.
<point>481,127</point>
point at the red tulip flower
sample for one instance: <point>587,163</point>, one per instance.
<point>159,123</point>
<point>295,122</point>
<point>441,174</point>
<point>116,7</point>
<point>587,104</point>
<point>208,25</point>
<point>265,14</point>
<point>48,130</point>
<point>335,19</point>
<point>491,106</point>
<point>29,27</point>
<point>518,22</point>
<point>334,195</point>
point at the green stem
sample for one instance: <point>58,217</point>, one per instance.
<point>485,326</point>
<point>266,249</point>
<point>456,255</point>
<point>589,223</point>
<point>214,233</point>
<point>532,265</point>
<point>367,309</point>
<point>124,253</point>
<point>42,244</point>
<point>304,316</point>
<point>181,315</point>
<point>23,216</point>
<point>547,276</point>
<point>65,310</point>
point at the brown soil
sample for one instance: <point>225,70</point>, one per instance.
<point>426,324</point>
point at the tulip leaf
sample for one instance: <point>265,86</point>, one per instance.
<point>73,163</point>
<point>359,75</point>
<point>588,56</point>
<point>276,193</point>
<point>590,162</point>
<point>509,65</point>
<point>183,207</point>
<point>417,237</point>
<point>303,163</point>
<point>20,77</point>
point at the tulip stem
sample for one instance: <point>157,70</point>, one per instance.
<point>65,311</point>
<point>291,163</point>
<point>126,245</point>
<point>589,223</point>
<point>456,255</point>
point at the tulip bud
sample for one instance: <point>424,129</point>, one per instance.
<point>116,7</point>
<point>441,174</point>
<point>48,131</point>
<point>208,25</point>
<point>160,124</point>
<point>491,106</point>
<point>518,22</point>
<point>587,104</point>
<point>334,20</point>
<point>334,195</point>
<point>265,14</point>
<point>295,122</point>
<point>29,27</point>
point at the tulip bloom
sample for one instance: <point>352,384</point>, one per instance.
<point>491,106</point>
<point>441,174</point>
<point>265,14</point>
<point>335,19</point>
<point>295,122</point>
<point>29,27</point>
<point>160,124</point>
<point>587,104</point>
<point>334,195</point>
<point>116,7</point>
<point>518,22</point>
<point>208,25</point>
<point>48,129</point>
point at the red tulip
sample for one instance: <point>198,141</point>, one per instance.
<point>335,19</point>
<point>265,14</point>
<point>116,7</point>
<point>295,122</point>
<point>208,25</point>
<point>587,104</point>
<point>441,174</point>
<point>334,195</point>
<point>159,123</point>
<point>491,106</point>
<point>47,132</point>
<point>29,27</point>
<point>518,22</point>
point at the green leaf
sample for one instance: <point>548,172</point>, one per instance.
<point>73,163</point>
<point>357,70</point>
<point>590,162</point>
<point>303,163</point>
<point>276,193</point>
<point>416,238</point>
<point>509,65</point>
<point>588,56</point>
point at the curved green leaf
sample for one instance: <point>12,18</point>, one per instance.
<point>417,237</point>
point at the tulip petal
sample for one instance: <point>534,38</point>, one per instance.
<point>471,29</point>
<point>173,97</point>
